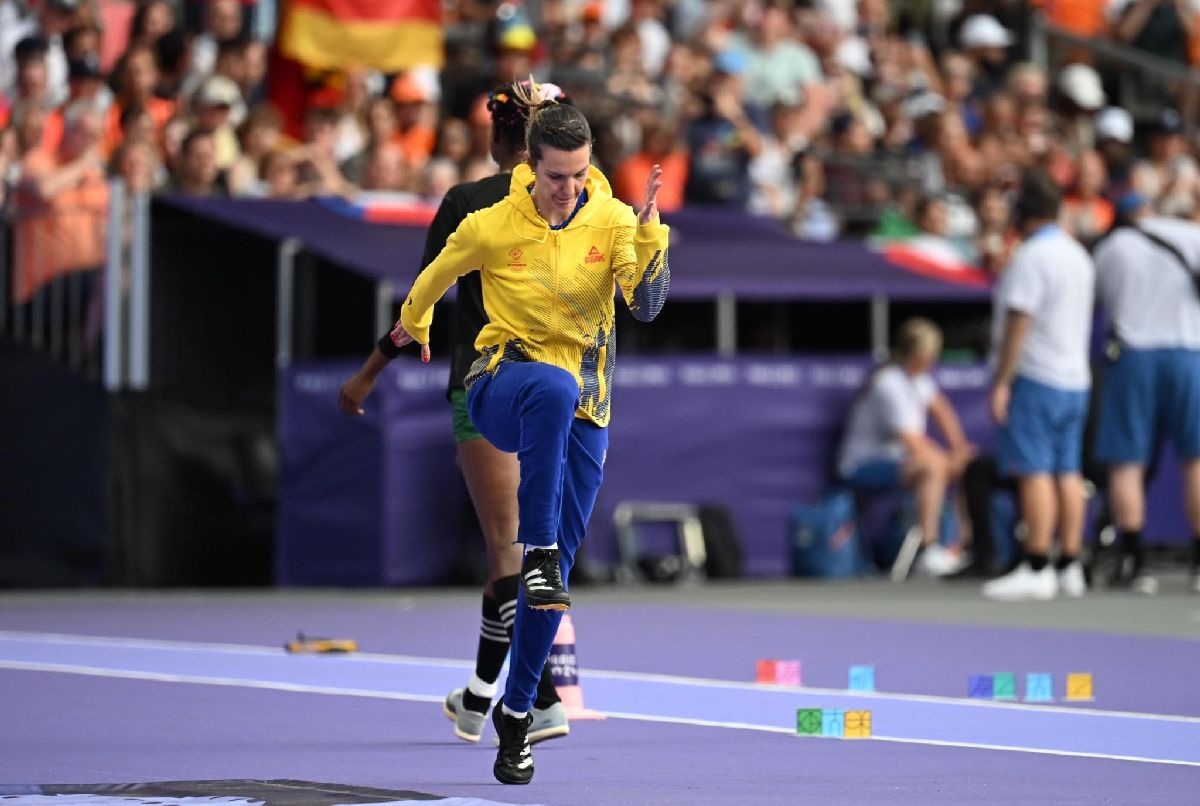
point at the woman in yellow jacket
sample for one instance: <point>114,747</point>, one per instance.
<point>549,255</point>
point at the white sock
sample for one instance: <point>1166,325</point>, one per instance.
<point>530,547</point>
<point>510,712</point>
<point>480,688</point>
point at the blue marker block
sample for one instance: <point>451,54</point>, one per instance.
<point>862,678</point>
<point>980,687</point>
<point>1039,687</point>
<point>833,722</point>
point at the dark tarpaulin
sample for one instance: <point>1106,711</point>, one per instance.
<point>712,252</point>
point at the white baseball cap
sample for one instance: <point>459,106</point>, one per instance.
<point>1081,84</point>
<point>1114,123</point>
<point>984,31</point>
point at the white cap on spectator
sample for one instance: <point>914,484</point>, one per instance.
<point>217,91</point>
<point>984,31</point>
<point>922,103</point>
<point>1114,123</point>
<point>1081,84</point>
<point>854,55</point>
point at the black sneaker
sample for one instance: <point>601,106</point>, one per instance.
<point>541,576</point>
<point>514,761</point>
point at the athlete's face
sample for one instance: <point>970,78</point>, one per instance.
<point>559,178</point>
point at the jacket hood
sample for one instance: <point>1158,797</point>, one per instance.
<point>591,214</point>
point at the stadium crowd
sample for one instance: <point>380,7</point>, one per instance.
<point>839,117</point>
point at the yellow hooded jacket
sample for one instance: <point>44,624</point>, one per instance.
<point>548,293</point>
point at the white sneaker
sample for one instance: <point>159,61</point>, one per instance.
<point>1071,581</point>
<point>1023,584</point>
<point>938,561</point>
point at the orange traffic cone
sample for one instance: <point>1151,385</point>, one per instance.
<point>564,668</point>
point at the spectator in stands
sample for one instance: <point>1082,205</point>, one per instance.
<point>386,169</point>
<point>62,206</point>
<point>986,43</point>
<point>661,145</point>
<point>885,446</point>
<point>1041,328</point>
<point>1169,163</point>
<point>258,136</point>
<point>812,218</point>
<point>50,20</point>
<point>223,22</point>
<point>215,106</point>
<point>136,161</point>
<point>32,91</point>
<point>82,41</point>
<point>958,79</point>
<point>1145,279</point>
<point>319,171</point>
<point>1086,213</point>
<point>415,117</point>
<point>196,172</point>
<point>721,141</point>
<point>1081,96</point>
<point>1114,141</point>
<point>778,65</point>
<point>1157,27</point>
<point>454,141</point>
<point>436,179</point>
<point>152,20</point>
<point>135,77</point>
<point>996,239</point>
<point>279,177</point>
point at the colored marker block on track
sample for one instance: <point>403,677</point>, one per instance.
<point>862,678</point>
<point>833,722</point>
<point>1004,686</point>
<point>1039,687</point>
<point>808,721</point>
<point>1080,687</point>
<point>980,686</point>
<point>787,672</point>
<point>857,724</point>
<point>777,672</point>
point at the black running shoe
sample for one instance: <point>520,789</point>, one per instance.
<point>541,576</point>
<point>514,760</point>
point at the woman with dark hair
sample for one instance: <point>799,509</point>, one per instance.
<point>492,476</point>
<point>549,255</point>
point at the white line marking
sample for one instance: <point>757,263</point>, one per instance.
<point>644,677</point>
<point>93,671</point>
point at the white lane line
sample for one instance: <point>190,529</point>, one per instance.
<point>93,671</point>
<point>642,677</point>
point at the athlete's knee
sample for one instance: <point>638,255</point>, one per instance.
<point>558,390</point>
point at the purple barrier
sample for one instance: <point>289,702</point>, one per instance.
<point>379,500</point>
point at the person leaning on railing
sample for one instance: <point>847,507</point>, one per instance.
<point>61,205</point>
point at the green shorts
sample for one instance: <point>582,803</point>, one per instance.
<point>464,429</point>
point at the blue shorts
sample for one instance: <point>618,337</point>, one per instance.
<point>1044,432</point>
<point>877,475</point>
<point>1148,393</point>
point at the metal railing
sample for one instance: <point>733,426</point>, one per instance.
<point>74,282</point>
<point>1133,71</point>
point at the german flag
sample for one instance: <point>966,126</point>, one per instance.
<point>387,35</point>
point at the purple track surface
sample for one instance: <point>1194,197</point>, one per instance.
<point>106,690</point>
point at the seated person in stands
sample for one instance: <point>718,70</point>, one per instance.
<point>885,446</point>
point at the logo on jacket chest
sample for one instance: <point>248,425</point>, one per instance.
<point>594,255</point>
<point>514,260</point>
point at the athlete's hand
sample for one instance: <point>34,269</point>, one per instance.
<point>354,391</point>
<point>650,211</point>
<point>400,338</point>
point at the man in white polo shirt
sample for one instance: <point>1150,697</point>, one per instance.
<point>1042,321</point>
<point>1145,279</point>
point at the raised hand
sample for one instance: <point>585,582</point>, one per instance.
<point>650,210</point>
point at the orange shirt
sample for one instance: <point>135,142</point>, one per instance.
<point>160,111</point>
<point>629,181</point>
<point>1082,17</point>
<point>416,143</point>
<point>61,235</point>
<point>51,135</point>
